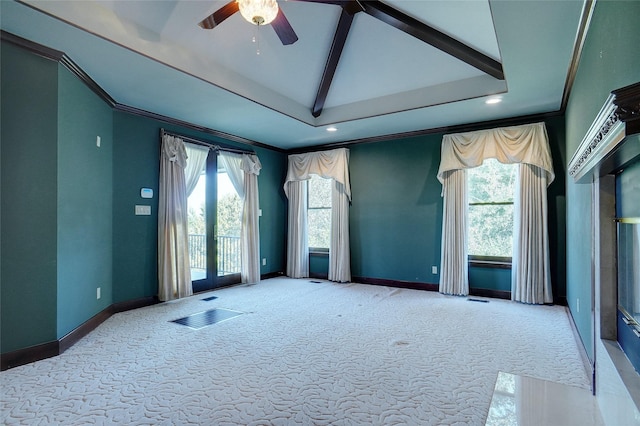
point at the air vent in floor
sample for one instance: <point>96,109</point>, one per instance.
<point>206,318</point>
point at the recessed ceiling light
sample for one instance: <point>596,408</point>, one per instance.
<point>331,129</point>
<point>491,101</point>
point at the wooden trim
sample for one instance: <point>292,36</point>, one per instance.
<point>56,347</point>
<point>85,328</point>
<point>434,37</point>
<point>269,275</point>
<point>618,118</point>
<point>64,60</point>
<point>581,35</point>
<point>494,294</point>
<point>411,285</point>
<point>88,81</point>
<point>129,305</point>
<point>29,355</point>
<point>460,128</point>
<point>191,126</point>
<point>339,39</point>
<point>33,47</point>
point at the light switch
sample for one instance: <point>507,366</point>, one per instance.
<point>143,210</point>
<point>98,141</point>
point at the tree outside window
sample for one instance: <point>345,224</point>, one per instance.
<point>319,212</point>
<point>491,194</point>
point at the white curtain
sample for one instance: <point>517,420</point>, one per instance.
<point>530,270</point>
<point>243,171</point>
<point>196,161</point>
<point>298,239</point>
<point>454,274</point>
<point>250,233</point>
<point>339,266</point>
<point>527,145</point>
<point>332,164</point>
<point>174,272</point>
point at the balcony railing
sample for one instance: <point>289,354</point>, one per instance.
<point>228,253</point>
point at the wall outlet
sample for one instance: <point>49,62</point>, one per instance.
<point>434,270</point>
<point>578,305</point>
<point>98,141</point>
<point>264,261</point>
<point>98,293</point>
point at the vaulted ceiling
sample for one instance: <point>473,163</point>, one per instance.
<point>367,68</point>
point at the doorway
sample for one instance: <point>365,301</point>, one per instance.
<point>214,222</point>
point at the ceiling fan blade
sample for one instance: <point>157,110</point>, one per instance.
<point>437,39</point>
<point>283,29</point>
<point>219,15</point>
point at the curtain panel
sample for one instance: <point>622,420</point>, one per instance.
<point>528,146</point>
<point>243,171</point>
<point>332,164</point>
<point>174,272</point>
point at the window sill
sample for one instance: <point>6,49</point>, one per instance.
<point>317,252</point>
<point>498,264</point>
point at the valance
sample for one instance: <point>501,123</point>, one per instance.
<point>251,164</point>
<point>518,144</point>
<point>333,164</point>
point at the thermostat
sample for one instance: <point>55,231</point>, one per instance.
<point>146,193</point>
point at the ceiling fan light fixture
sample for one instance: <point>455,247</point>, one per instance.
<point>258,12</point>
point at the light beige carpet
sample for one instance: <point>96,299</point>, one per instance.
<point>302,353</point>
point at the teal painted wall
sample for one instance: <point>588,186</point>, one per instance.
<point>136,154</point>
<point>609,60</point>
<point>273,202</point>
<point>84,203</point>
<point>28,199</point>
<point>68,223</point>
<point>396,212</point>
<point>136,164</point>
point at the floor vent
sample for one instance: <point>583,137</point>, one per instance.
<point>207,318</point>
<point>209,299</point>
<point>316,282</point>
<point>471,299</point>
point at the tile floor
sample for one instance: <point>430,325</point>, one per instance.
<point>520,400</point>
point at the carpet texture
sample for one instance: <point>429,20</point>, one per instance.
<point>302,353</point>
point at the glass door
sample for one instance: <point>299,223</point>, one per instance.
<point>214,217</point>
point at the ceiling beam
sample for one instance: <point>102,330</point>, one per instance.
<point>433,37</point>
<point>339,40</point>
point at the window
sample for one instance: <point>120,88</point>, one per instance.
<point>319,213</point>
<point>491,191</point>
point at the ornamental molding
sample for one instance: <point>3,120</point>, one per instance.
<point>618,117</point>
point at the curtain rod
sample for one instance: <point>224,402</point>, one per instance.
<point>213,146</point>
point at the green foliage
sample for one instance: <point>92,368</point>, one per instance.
<point>491,225</point>
<point>229,215</point>
<point>319,213</point>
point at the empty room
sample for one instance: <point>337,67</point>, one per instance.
<point>340,212</point>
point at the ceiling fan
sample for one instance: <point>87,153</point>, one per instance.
<point>263,12</point>
<point>258,12</point>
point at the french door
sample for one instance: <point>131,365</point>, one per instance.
<point>215,214</point>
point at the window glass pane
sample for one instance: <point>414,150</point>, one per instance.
<point>319,192</point>
<point>492,182</point>
<point>319,228</point>
<point>491,225</point>
<point>319,212</point>
<point>491,230</point>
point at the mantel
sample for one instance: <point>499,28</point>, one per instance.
<point>607,145</point>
